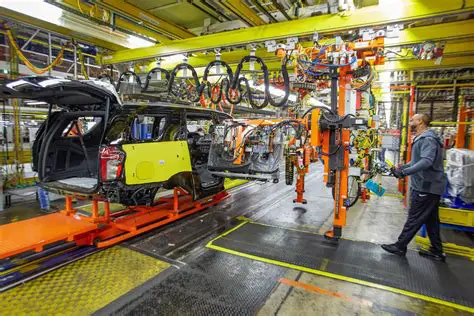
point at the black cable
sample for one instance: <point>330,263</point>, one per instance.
<point>224,85</point>
<point>331,153</point>
<point>317,107</point>
<point>238,80</point>
<point>335,151</point>
<point>128,73</point>
<point>267,95</point>
<point>151,72</point>
<point>338,120</point>
<point>194,76</point>
<point>393,52</point>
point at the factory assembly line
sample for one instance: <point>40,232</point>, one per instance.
<point>219,183</point>
<point>245,149</point>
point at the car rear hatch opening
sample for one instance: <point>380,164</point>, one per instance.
<point>67,147</point>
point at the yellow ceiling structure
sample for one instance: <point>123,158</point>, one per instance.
<point>407,10</point>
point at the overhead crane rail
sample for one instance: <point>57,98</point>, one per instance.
<point>255,85</point>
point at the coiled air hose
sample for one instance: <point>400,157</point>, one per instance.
<point>224,85</point>
<point>128,73</point>
<point>266,81</point>
<point>153,71</point>
<point>184,66</point>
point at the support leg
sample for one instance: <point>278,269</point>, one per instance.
<point>418,214</point>
<point>433,228</point>
<point>300,188</point>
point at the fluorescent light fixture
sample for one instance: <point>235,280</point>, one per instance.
<point>35,8</point>
<point>47,12</point>
<point>35,103</point>
<point>138,42</point>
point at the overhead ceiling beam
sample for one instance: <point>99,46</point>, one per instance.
<point>169,29</point>
<point>417,64</point>
<point>442,31</point>
<point>242,11</point>
<point>411,64</point>
<point>456,55</point>
<point>458,36</point>
<point>119,23</point>
<point>399,11</point>
<point>57,29</point>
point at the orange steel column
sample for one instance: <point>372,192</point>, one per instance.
<point>300,187</point>
<point>461,132</point>
<point>68,204</point>
<point>95,209</point>
<point>238,144</point>
<point>343,174</point>
<point>107,211</point>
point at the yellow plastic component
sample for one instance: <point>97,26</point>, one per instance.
<point>232,183</point>
<point>456,216</point>
<point>155,162</point>
<point>389,163</point>
<point>84,286</point>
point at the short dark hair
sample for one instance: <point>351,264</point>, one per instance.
<point>425,118</point>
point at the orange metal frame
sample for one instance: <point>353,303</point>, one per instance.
<point>99,230</point>
<point>342,175</point>
<point>461,130</point>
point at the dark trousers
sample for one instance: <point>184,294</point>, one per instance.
<point>423,210</point>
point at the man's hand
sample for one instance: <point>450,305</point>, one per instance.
<point>397,172</point>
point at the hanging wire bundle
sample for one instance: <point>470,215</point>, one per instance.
<point>57,61</point>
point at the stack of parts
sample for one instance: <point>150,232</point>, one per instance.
<point>460,172</point>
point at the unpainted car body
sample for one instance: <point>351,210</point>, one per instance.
<point>97,147</point>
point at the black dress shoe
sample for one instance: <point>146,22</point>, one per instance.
<point>394,249</point>
<point>432,255</point>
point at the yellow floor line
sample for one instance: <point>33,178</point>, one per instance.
<point>251,221</point>
<point>210,245</point>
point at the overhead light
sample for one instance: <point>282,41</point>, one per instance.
<point>36,103</point>
<point>34,8</point>
<point>138,42</point>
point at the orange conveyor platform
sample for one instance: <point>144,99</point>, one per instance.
<point>35,233</point>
